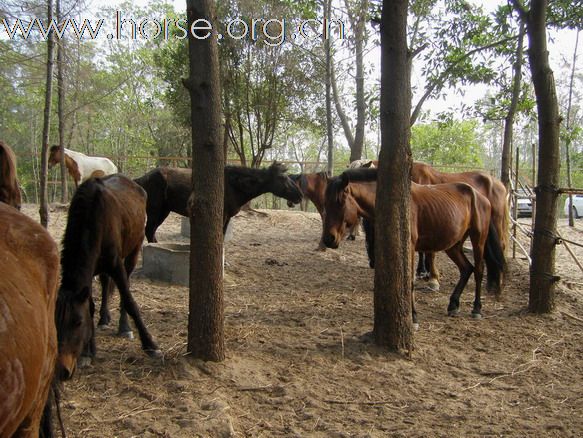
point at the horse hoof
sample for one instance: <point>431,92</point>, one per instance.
<point>351,237</point>
<point>84,362</point>
<point>102,326</point>
<point>154,354</point>
<point>453,312</point>
<point>476,315</point>
<point>415,326</point>
<point>433,285</point>
<point>127,335</point>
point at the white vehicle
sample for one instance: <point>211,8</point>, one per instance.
<point>523,204</point>
<point>577,206</point>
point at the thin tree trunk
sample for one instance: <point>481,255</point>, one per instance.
<point>61,105</point>
<point>329,133</point>
<point>357,147</point>
<point>509,121</point>
<point>44,206</point>
<point>568,128</point>
<point>542,274</point>
<point>392,285</point>
<point>206,306</point>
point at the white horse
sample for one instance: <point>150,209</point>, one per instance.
<point>81,167</point>
<point>362,163</point>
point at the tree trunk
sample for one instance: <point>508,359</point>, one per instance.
<point>44,206</point>
<point>542,274</point>
<point>569,132</point>
<point>206,307</point>
<point>357,147</point>
<point>61,105</point>
<point>329,129</point>
<point>392,286</point>
<point>506,164</point>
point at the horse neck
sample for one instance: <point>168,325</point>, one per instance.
<point>72,166</point>
<point>364,194</point>
<point>316,190</point>
<point>244,196</point>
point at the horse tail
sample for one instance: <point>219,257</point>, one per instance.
<point>505,223</point>
<point>368,228</point>
<point>155,185</point>
<point>495,262</point>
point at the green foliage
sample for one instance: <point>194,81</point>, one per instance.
<point>447,142</point>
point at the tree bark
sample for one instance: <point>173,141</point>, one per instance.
<point>44,205</point>
<point>61,105</point>
<point>506,164</point>
<point>206,307</point>
<point>392,286</point>
<point>542,274</point>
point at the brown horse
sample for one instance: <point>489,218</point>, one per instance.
<point>442,217</point>
<point>168,190</point>
<point>313,187</point>
<point>487,185</point>
<point>9,189</point>
<point>29,275</point>
<point>104,235</point>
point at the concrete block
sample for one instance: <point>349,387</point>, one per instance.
<point>169,262</point>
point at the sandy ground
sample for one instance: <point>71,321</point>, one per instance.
<point>296,364</point>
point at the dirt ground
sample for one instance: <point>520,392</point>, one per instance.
<point>296,363</point>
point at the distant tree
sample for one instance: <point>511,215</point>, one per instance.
<point>44,205</point>
<point>447,142</point>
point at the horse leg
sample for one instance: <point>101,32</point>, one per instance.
<point>89,348</point>
<point>106,291</point>
<point>433,273</point>
<point>120,277</point>
<point>411,270</point>
<point>421,266</point>
<point>478,244</point>
<point>153,221</point>
<point>456,254</point>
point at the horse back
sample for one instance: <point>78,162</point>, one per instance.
<point>124,212</point>
<point>28,345</point>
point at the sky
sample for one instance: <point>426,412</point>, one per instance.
<point>561,46</point>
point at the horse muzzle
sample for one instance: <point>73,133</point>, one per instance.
<point>330,241</point>
<point>66,367</point>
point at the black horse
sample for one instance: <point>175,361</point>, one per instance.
<point>168,190</point>
<point>104,235</point>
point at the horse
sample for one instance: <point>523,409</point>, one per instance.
<point>313,187</point>
<point>168,190</point>
<point>28,338</point>
<point>9,189</point>
<point>104,235</point>
<point>487,185</point>
<point>81,167</point>
<point>442,217</point>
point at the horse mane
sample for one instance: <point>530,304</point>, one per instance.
<point>245,178</point>
<point>361,174</point>
<point>82,231</point>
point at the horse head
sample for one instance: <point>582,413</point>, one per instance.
<point>74,321</point>
<point>282,185</point>
<point>55,155</point>
<point>341,211</point>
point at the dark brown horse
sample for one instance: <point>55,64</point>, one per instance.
<point>442,217</point>
<point>104,235</point>
<point>168,190</point>
<point>9,189</point>
<point>29,275</point>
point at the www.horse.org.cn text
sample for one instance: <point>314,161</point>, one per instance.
<point>272,31</point>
